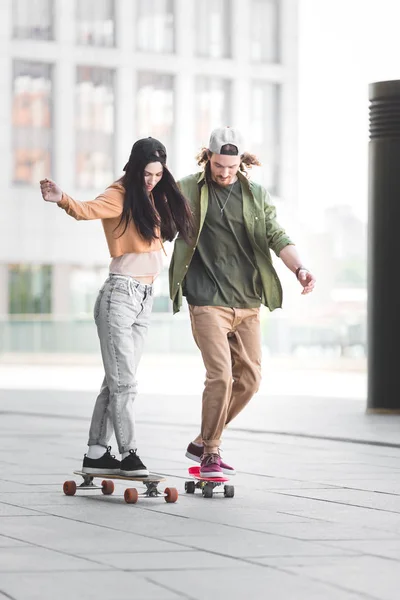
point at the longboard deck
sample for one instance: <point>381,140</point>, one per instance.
<point>195,472</point>
<point>131,495</point>
<point>151,478</point>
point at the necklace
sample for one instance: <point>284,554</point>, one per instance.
<point>226,201</point>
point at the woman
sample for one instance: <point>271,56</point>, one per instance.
<point>138,211</point>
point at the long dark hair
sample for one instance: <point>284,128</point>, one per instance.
<point>170,213</point>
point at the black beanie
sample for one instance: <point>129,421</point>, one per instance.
<point>147,150</point>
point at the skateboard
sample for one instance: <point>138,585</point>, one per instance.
<point>207,485</point>
<point>131,495</point>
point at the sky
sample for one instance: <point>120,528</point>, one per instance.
<point>344,45</point>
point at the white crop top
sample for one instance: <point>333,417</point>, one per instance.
<point>141,265</point>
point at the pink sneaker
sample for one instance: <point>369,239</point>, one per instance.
<point>195,452</point>
<point>211,466</point>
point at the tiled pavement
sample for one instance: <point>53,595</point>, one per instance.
<point>313,517</point>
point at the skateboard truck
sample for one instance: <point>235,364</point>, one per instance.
<point>151,486</point>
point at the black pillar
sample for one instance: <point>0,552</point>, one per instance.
<point>384,248</point>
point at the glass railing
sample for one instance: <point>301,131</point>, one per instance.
<point>168,333</point>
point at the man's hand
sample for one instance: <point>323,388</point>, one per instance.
<point>307,280</point>
<point>50,191</point>
<point>292,260</point>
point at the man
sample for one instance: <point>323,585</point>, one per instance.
<point>226,274</point>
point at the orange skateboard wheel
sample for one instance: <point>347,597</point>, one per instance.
<point>69,488</point>
<point>107,487</point>
<point>131,495</point>
<point>171,494</point>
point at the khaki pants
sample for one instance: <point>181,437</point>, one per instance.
<point>230,343</point>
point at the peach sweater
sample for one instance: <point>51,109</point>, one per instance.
<point>108,207</point>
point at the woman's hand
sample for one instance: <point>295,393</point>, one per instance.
<point>50,191</point>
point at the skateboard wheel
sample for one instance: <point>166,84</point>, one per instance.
<point>131,495</point>
<point>229,491</point>
<point>190,487</point>
<point>107,487</point>
<point>171,494</point>
<point>69,488</point>
<point>207,491</point>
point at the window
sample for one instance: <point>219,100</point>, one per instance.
<point>162,302</point>
<point>29,289</point>
<point>32,122</point>
<point>213,28</point>
<point>155,25</point>
<point>95,22</point>
<point>265,133</point>
<point>33,19</point>
<point>212,107</point>
<point>155,108</point>
<point>85,283</point>
<point>94,127</point>
<point>264,34</point>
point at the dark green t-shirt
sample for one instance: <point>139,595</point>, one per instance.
<point>223,271</point>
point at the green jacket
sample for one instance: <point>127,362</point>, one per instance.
<point>263,231</point>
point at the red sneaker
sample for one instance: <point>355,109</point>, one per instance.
<point>211,466</point>
<point>195,452</point>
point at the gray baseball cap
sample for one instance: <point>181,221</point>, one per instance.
<point>225,135</point>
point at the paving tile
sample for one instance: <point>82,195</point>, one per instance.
<point>389,484</point>
<point>324,531</point>
<point>308,561</point>
<point>169,561</point>
<point>72,536</point>
<point>8,510</point>
<point>36,499</point>
<point>9,542</point>
<point>381,548</point>
<point>85,585</point>
<point>10,487</point>
<point>251,544</point>
<point>36,479</point>
<point>136,518</point>
<point>376,577</point>
<point>31,559</point>
<point>349,515</point>
<point>364,499</point>
<point>251,582</point>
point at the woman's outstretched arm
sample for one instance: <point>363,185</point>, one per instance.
<point>108,205</point>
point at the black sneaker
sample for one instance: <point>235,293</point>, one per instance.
<point>106,464</point>
<point>132,466</point>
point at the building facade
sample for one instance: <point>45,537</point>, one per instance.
<point>83,79</point>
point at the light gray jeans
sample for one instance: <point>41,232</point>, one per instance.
<point>121,313</point>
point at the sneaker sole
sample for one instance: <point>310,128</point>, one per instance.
<point>193,457</point>
<point>89,471</point>
<point>230,472</point>
<point>139,473</point>
<point>211,474</point>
